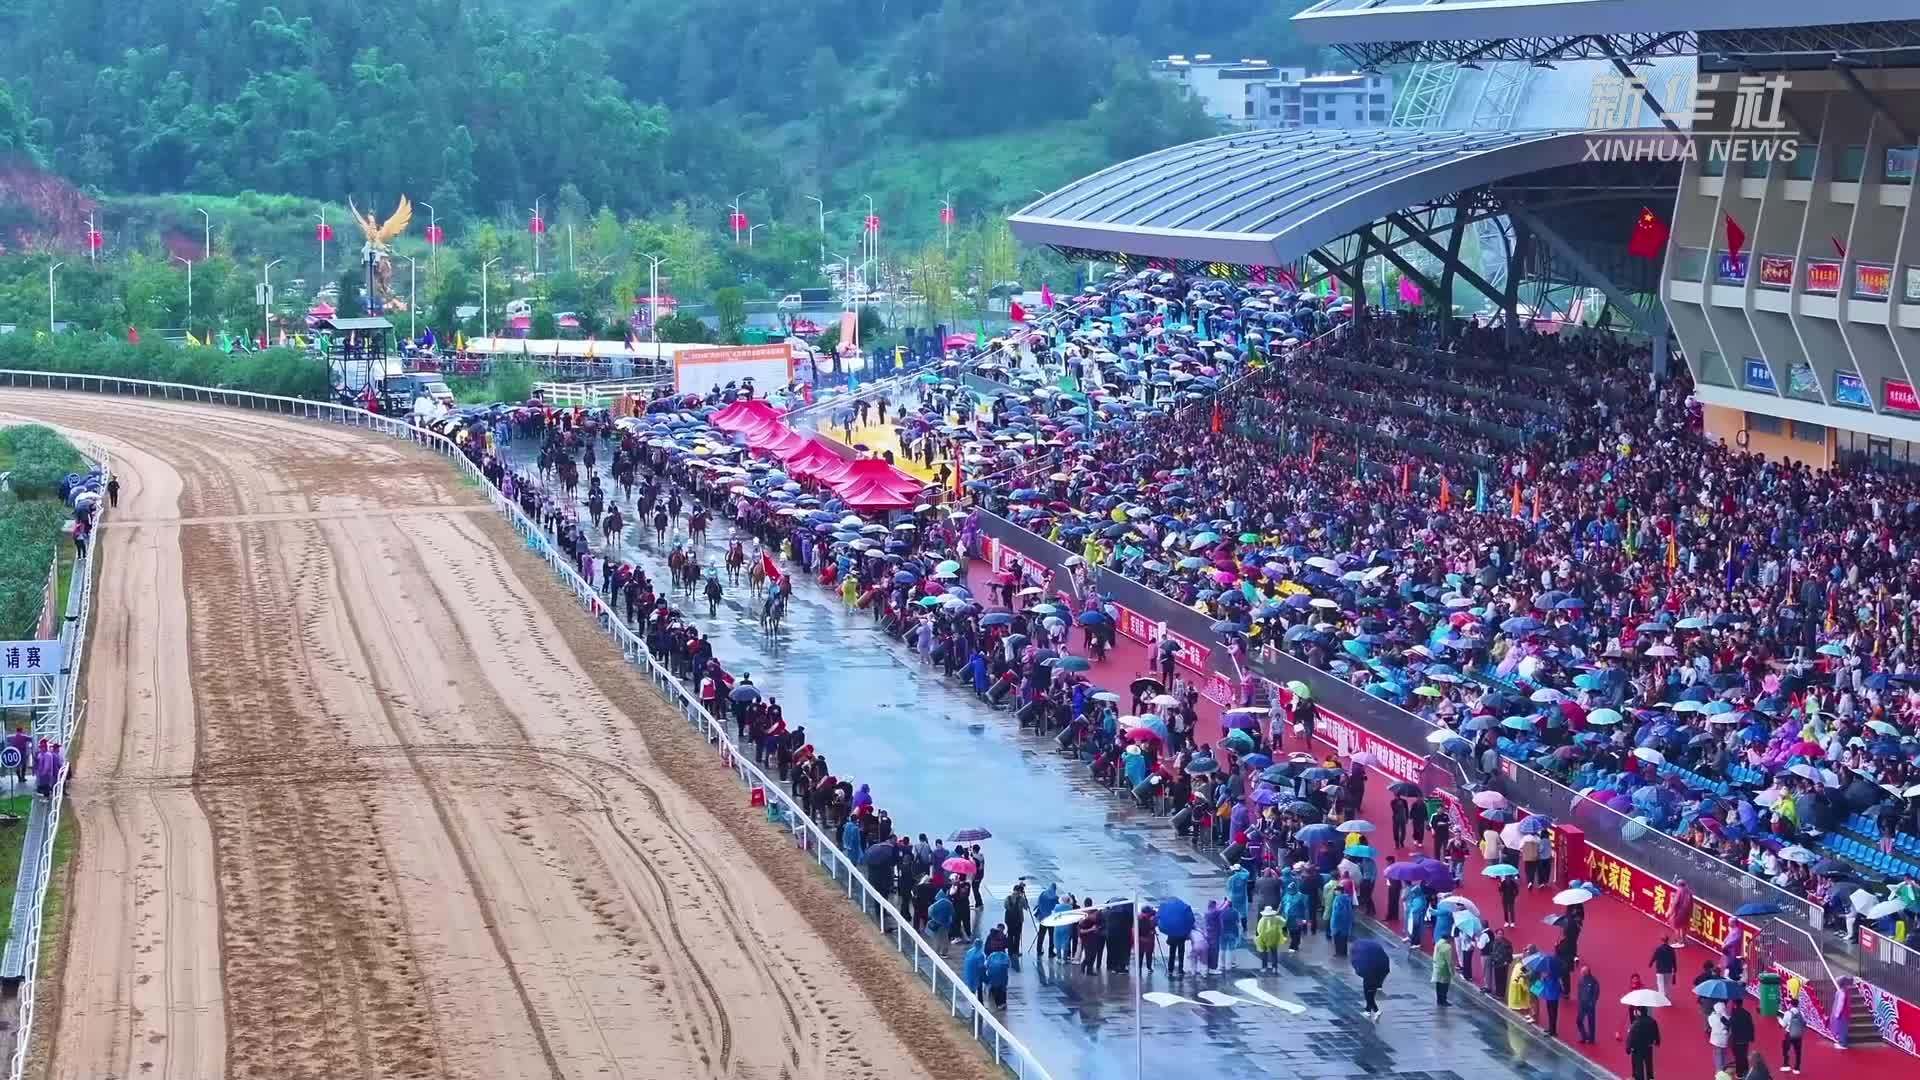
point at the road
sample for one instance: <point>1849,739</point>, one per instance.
<point>360,792</point>
<point>939,760</point>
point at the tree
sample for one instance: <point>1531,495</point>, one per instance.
<point>543,326</point>
<point>730,307</point>
<point>684,328</point>
<point>352,303</point>
<point>1140,114</point>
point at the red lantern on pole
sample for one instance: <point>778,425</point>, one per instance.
<point>873,223</point>
<point>737,221</point>
<point>436,235</point>
<point>537,225</point>
<point>324,232</point>
<point>95,240</point>
<point>946,215</point>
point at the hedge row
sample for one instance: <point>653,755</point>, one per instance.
<point>287,372</point>
<point>41,459</point>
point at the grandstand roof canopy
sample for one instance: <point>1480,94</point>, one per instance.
<point>1266,198</point>
<point>1378,32</point>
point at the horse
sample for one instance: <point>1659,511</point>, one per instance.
<point>697,526</point>
<point>772,610</point>
<point>756,575</point>
<point>736,559</point>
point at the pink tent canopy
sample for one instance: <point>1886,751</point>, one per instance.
<point>744,414</point>
<point>831,473</point>
<point>812,459</point>
<point>867,496</point>
<point>881,474</point>
<point>779,441</point>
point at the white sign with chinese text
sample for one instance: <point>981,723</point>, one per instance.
<point>20,658</point>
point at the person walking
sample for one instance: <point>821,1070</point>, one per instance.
<point>1720,1035</point>
<point>1586,1016</point>
<point>113,491</point>
<point>1793,1029</point>
<point>1046,904</point>
<point>1339,918</point>
<point>1509,896</point>
<point>940,920</point>
<point>1549,986</point>
<point>1370,963</point>
<point>1740,1036</point>
<point>1666,964</point>
<point>1643,1037</point>
<point>1442,970</point>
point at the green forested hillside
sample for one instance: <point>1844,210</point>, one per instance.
<point>478,106</point>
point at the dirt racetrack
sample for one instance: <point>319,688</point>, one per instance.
<point>361,793</point>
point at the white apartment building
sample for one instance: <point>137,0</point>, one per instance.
<point>1253,93</point>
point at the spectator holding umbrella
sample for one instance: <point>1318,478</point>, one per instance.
<point>1369,961</point>
<point>1176,922</point>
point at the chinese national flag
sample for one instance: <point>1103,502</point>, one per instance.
<point>1219,419</point>
<point>1649,239</point>
<point>767,567</point>
<point>133,335</point>
<point>1046,295</point>
<point>1736,237</point>
<point>1016,312</point>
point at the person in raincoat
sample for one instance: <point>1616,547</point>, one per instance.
<point>1519,994</point>
<point>852,840</point>
<point>1065,936</point>
<point>1340,918</point>
<point>998,964</point>
<point>1680,912</point>
<point>1230,936</point>
<point>1268,936</point>
<point>1239,885</point>
<point>1044,905</point>
<point>1135,760</point>
<point>974,970</point>
<point>940,920</point>
<point>1176,922</point>
<point>1416,916</point>
<point>1293,910</point>
<point>1217,917</point>
<point>1442,969</point>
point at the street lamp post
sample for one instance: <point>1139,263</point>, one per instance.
<point>653,295</point>
<point>483,295</point>
<point>266,302</point>
<point>536,227</point>
<point>870,251</point>
<point>736,218</point>
<point>50,271</point>
<point>433,232</point>
<point>206,234</point>
<point>569,247</point>
<point>322,234</point>
<point>753,230</point>
<point>188,263</point>
<point>413,309</point>
<point>946,221</point>
<point>822,205</point>
<point>93,246</point>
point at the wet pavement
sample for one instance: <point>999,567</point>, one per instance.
<point>939,760</point>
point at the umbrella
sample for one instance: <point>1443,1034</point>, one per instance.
<point>1300,690</point>
<point>970,835</point>
<point>1369,960</point>
<point>1765,907</point>
<point>1356,826</point>
<point>1404,788</point>
<point>1797,854</point>
<point>1317,834</point>
<point>1358,851</point>
<point>1603,717</point>
<point>1885,908</point>
<point>996,618</point>
<point>1459,903</point>
<point>744,693</point>
<point>1645,999</point>
<point>1719,990</point>
<point>1070,917</point>
<point>1572,896</point>
<point>1487,800</point>
<point>958,865</point>
<point>1500,870</point>
<point>1143,686</point>
<point>1650,755</point>
<point>1536,824</point>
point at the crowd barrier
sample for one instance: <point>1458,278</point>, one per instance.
<point>926,961</point>
<point>64,722</point>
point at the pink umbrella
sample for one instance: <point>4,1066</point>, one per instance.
<point>958,865</point>
<point>1143,734</point>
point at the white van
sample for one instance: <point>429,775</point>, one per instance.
<point>790,302</point>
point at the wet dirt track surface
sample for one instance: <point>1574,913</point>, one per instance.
<point>361,793</point>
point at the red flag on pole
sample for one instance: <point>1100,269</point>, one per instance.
<point>1219,423</point>
<point>767,567</point>
<point>1046,295</point>
<point>959,477</point>
<point>133,335</point>
<point>1649,239</point>
<point>1016,312</point>
<point>1736,236</point>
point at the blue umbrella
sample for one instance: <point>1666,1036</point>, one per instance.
<point>1719,990</point>
<point>1478,724</point>
<point>1517,723</point>
<point>1256,761</point>
<point>1317,834</point>
<point>1358,851</point>
<point>997,618</point>
<point>1092,618</point>
<point>1369,960</point>
<point>1500,870</point>
<point>1536,824</point>
<point>1072,663</point>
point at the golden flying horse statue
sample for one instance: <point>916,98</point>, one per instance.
<point>376,254</point>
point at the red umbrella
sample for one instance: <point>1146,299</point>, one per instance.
<point>958,865</point>
<point>1143,734</point>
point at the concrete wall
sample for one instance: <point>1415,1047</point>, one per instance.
<point>1726,424</point>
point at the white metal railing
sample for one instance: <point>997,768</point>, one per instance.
<point>1008,1051</point>
<point>79,608</point>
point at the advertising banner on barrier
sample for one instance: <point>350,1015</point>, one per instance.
<point>1873,281</point>
<point>1653,896</point>
<point>1349,738</point>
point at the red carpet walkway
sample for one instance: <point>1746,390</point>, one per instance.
<point>1617,941</point>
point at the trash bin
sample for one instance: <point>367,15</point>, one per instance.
<point>1769,994</point>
